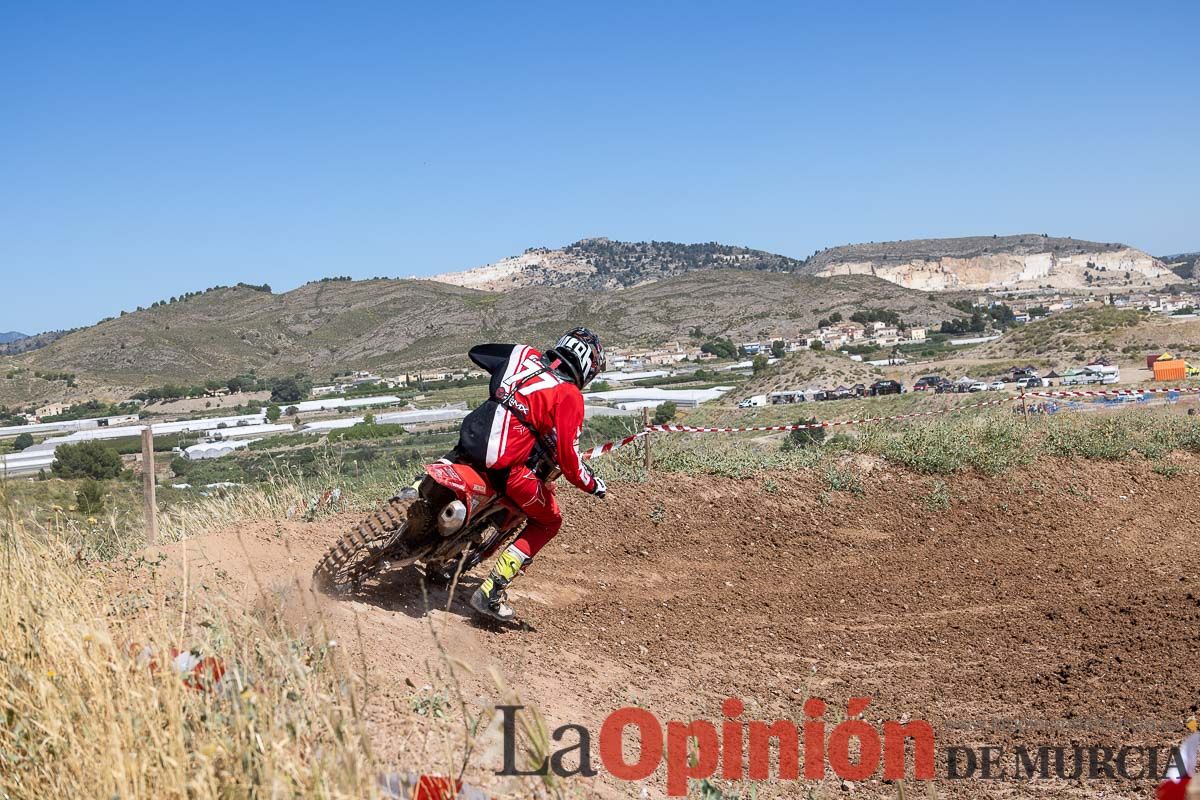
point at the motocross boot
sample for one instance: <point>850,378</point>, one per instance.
<point>490,599</point>
<point>409,492</point>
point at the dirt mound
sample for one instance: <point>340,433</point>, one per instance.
<point>1063,596</point>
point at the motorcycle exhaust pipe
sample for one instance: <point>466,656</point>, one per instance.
<point>451,520</point>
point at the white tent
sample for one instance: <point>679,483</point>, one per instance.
<point>198,452</point>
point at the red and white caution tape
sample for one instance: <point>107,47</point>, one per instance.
<point>608,447</point>
<point>1115,392</point>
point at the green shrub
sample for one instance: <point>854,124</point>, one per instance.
<point>664,413</point>
<point>89,498</point>
<point>843,480</point>
<point>988,444</point>
<point>804,437</point>
<point>21,442</point>
<point>86,460</point>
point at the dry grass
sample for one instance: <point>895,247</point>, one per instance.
<point>91,706</point>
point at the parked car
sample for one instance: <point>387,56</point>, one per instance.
<point>928,382</point>
<point>996,386</point>
<point>943,386</point>
<point>1029,383</point>
<point>886,387</point>
<point>977,386</point>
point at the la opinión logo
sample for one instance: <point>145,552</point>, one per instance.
<point>735,749</point>
<point>738,749</point>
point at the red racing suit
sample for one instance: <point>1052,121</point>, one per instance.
<point>526,393</point>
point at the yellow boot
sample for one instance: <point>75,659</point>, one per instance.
<point>490,598</point>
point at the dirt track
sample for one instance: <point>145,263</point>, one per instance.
<point>1065,594</point>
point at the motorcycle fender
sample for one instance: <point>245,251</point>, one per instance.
<point>471,488</point>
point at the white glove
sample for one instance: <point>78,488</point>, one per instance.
<point>598,488</point>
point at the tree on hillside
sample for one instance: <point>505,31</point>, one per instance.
<point>86,460</point>
<point>759,364</point>
<point>778,349</point>
<point>21,442</point>
<point>664,413</point>
<point>288,390</point>
<point>273,413</point>
<point>721,348</point>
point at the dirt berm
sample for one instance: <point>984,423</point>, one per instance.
<point>1055,605</point>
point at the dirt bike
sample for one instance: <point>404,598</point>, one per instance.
<point>454,520</point>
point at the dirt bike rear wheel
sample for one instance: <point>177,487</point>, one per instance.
<point>359,553</point>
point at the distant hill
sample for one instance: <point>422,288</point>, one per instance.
<point>393,325</point>
<point>11,336</point>
<point>982,263</point>
<point>23,344</point>
<point>973,263</point>
<point>605,264</point>
<point>1183,264</point>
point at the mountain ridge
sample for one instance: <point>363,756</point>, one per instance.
<point>393,325</point>
<point>969,263</point>
<point>996,263</point>
<point>602,263</point>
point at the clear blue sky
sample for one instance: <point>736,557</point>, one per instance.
<point>148,149</point>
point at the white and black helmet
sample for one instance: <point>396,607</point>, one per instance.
<point>581,354</point>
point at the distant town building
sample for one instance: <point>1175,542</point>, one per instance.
<point>53,410</point>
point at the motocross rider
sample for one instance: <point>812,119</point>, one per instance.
<point>535,407</point>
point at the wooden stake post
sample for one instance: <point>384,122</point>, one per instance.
<point>148,486</point>
<point>646,438</point>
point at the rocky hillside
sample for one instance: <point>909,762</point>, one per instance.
<point>393,325</point>
<point>981,263</point>
<point>975,263</point>
<point>604,264</point>
<point>11,336</point>
<point>1183,264</point>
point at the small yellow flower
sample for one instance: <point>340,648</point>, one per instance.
<point>1192,725</point>
<point>71,508</point>
<point>50,673</point>
<point>91,520</point>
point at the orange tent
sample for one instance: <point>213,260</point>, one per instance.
<point>1174,369</point>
